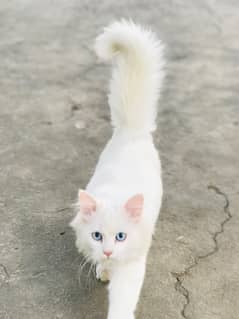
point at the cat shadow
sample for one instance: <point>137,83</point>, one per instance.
<point>66,286</point>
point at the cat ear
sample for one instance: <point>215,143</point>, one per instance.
<point>134,207</point>
<point>87,204</point>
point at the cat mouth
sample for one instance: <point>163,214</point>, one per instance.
<point>107,260</point>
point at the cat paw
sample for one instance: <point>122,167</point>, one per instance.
<point>102,274</point>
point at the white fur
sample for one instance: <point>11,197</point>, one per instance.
<point>128,165</point>
<point>136,79</point>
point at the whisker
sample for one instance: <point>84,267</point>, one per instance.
<point>85,261</point>
<point>90,279</point>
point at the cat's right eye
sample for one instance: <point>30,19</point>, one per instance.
<point>97,236</point>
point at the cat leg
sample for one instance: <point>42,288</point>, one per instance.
<point>102,273</point>
<point>124,289</point>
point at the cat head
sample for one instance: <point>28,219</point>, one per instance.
<point>107,233</point>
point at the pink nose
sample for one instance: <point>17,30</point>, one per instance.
<point>108,253</point>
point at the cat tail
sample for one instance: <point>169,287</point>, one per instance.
<point>137,58</point>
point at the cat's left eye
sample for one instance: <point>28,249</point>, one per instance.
<point>120,236</point>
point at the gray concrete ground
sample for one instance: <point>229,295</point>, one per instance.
<point>54,122</point>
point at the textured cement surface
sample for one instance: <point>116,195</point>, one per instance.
<point>54,122</point>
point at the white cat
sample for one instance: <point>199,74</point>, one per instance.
<point>118,210</point>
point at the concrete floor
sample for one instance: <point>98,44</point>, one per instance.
<point>54,121</point>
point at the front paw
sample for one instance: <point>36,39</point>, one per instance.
<point>102,274</point>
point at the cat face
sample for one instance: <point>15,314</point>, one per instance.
<point>106,234</point>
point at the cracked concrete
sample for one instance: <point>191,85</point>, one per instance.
<point>180,276</point>
<point>54,121</point>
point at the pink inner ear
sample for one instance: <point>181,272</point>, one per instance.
<point>134,206</point>
<point>87,203</point>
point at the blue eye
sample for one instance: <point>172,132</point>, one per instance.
<point>97,236</point>
<point>120,236</point>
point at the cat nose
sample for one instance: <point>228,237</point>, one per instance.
<point>108,253</point>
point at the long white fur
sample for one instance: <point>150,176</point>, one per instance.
<point>128,165</point>
<point>136,79</point>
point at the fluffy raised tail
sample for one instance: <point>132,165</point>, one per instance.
<point>137,74</point>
